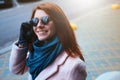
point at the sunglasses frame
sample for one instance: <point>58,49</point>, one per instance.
<point>45,20</point>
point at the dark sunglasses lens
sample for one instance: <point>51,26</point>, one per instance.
<point>45,20</point>
<point>34,21</point>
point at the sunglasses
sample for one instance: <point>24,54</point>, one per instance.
<point>44,20</point>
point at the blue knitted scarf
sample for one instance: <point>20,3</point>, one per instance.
<point>42,55</point>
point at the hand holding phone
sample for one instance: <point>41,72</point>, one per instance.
<point>26,31</point>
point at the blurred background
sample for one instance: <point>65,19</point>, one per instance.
<point>97,32</point>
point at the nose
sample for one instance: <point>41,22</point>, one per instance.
<point>40,25</point>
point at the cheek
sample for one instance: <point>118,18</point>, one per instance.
<point>34,29</point>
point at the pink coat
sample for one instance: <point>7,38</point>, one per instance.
<point>63,68</point>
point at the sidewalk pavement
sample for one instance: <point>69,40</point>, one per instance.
<point>5,74</point>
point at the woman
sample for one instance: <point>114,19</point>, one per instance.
<point>53,51</point>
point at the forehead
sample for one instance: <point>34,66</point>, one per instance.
<point>40,13</point>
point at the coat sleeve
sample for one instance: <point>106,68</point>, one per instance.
<point>17,62</point>
<point>79,72</point>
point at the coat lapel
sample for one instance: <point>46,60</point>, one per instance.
<point>52,69</point>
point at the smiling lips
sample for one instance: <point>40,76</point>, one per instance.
<point>43,32</point>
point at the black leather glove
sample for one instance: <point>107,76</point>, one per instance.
<point>26,32</point>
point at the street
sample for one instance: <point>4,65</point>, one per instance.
<point>97,33</point>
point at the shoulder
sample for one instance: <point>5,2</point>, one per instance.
<point>70,61</point>
<point>76,62</point>
<point>78,69</point>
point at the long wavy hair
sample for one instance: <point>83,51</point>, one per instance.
<point>62,27</point>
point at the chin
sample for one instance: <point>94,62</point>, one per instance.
<point>42,38</point>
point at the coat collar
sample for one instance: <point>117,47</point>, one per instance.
<point>52,68</point>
